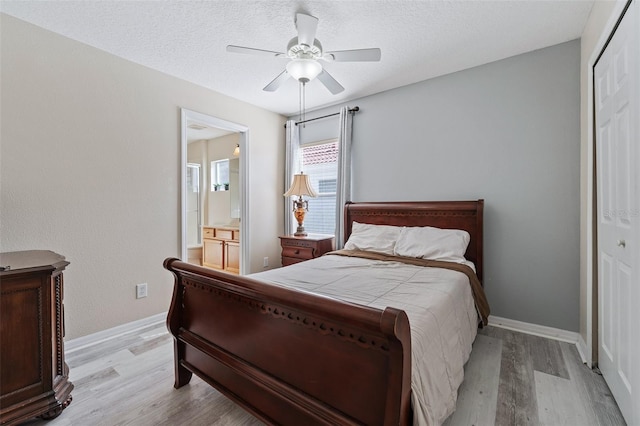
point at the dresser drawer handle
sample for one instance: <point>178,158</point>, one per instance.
<point>297,252</point>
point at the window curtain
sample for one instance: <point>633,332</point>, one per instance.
<point>343,184</point>
<point>291,167</point>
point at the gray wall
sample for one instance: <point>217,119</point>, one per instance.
<point>507,132</point>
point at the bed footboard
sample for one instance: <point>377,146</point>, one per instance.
<point>287,356</point>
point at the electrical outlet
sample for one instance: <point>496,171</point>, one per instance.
<point>141,290</point>
<point>265,262</point>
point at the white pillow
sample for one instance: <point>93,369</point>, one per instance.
<point>378,238</point>
<point>433,243</point>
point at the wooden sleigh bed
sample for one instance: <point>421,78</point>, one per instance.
<point>295,358</point>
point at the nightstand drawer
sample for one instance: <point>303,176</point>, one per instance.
<point>298,252</point>
<point>297,249</point>
<point>298,242</point>
<point>286,261</point>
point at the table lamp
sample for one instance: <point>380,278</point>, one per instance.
<point>300,186</point>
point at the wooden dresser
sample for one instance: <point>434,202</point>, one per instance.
<point>33,375</point>
<point>221,248</point>
<point>298,249</point>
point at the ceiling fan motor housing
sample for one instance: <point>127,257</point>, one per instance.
<point>297,50</point>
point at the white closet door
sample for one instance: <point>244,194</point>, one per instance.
<point>618,157</point>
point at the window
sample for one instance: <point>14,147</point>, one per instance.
<point>320,162</point>
<point>220,175</point>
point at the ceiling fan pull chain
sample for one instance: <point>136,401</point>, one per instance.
<point>300,101</point>
<point>301,95</point>
<point>304,102</point>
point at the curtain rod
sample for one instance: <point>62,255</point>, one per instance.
<point>354,109</point>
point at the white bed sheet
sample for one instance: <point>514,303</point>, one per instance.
<point>438,302</point>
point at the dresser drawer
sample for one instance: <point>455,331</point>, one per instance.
<point>297,252</point>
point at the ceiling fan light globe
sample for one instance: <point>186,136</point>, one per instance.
<point>304,70</point>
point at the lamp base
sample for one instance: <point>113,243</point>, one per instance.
<point>299,210</point>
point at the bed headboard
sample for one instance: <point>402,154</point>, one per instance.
<point>466,215</point>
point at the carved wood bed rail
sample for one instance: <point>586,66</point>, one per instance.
<point>292,357</point>
<point>287,356</point>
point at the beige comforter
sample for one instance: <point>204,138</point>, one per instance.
<point>438,302</point>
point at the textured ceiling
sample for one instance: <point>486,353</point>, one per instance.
<point>418,39</point>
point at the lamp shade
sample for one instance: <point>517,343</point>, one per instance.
<point>304,70</point>
<point>301,186</point>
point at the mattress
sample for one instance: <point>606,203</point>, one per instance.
<point>438,303</point>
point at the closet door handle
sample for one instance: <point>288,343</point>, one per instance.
<point>622,243</point>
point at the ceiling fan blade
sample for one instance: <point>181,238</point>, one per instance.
<point>252,51</point>
<point>276,82</point>
<point>358,55</point>
<point>307,26</point>
<point>330,82</point>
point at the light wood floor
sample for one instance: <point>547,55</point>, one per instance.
<point>510,379</point>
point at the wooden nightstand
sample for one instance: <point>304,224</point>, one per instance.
<point>299,249</point>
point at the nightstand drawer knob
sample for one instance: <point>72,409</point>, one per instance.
<point>298,252</point>
<point>622,243</point>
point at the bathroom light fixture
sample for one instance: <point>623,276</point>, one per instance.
<point>300,186</point>
<point>236,151</point>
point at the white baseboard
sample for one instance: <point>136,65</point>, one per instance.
<point>523,327</point>
<point>112,333</point>
<point>544,331</point>
<point>584,352</point>
<point>536,330</point>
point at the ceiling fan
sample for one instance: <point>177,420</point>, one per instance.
<point>305,53</point>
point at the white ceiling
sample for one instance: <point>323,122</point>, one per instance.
<point>200,131</point>
<point>418,39</point>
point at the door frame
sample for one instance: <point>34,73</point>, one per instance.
<point>243,141</point>
<point>590,351</point>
